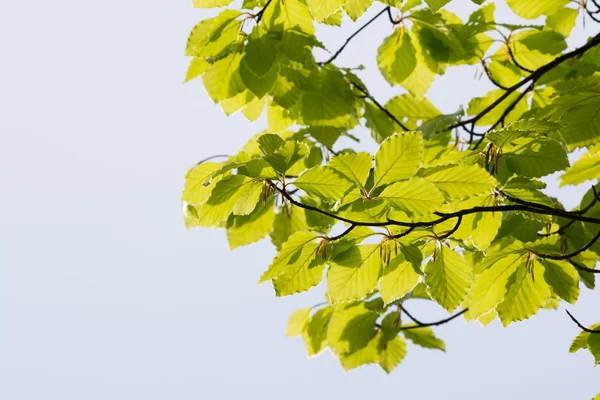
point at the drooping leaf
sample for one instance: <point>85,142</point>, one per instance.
<point>448,278</point>
<point>354,274</point>
<point>298,322</point>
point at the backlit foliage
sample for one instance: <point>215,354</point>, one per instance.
<point>450,208</point>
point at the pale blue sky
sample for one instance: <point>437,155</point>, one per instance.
<point>104,295</point>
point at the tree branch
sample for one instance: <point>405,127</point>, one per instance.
<point>583,328</point>
<point>337,53</point>
<point>259,14</point>
<point>426,324</point>
<point>570,255</point>
<point>489,75</point>
<point>582,268</point>
<point>443,216</point>
<point>382,108</point>
<point>514,59</point>
<point>534,76</point>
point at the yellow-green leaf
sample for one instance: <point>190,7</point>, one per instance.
<point>399,157</point>
<point>354,274</point>
<point>448,278</point>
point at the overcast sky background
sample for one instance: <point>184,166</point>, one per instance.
<point>105,295</point>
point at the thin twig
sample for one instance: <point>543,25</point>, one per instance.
<point>582,268</point>
<point>425,324</point>
<point>212,158</point>
<point>570,255</point>
<point>580,325</point>
<point>382,108</point>
<point>337,53</point>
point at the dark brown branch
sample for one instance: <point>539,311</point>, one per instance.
<point>260,14</point>
<point>582,268</point>
<point>514,59</point>
<point>489,75</point>
<point>443,216</point>
<point>563,228</point>
<point>505,113</point>
<point>591,14</point>
<point>580,325</point>
<point>454,229</point>
<point>570,255</point>
<point>382,108</point>
<point>405,233</point>
<point>426,324</point>
<point>534,76</point>
<point>337,53</point>
<point>341,235</point>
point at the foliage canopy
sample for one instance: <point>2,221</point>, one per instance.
<point>451,208</point>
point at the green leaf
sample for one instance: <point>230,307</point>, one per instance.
<point>212,36</point>
<point>287,155</point>
<point>322,9</point>
<point>355,8</point>
<point>247,229</point>
<point>367,355</point>
<point>461,181</point>
<point>527,294</point>
<point>303,271</point>
<point>289,253</point>
<point>260,53</point>
<point>298,322</point>
<point>222,80</point>
<point>355,167</point>
<point>562,278</point>
<point>478,104</point>
<point>399,278</point>
<point>424,337</point>
<point>324,182</point>
<point>398,158</point>
<point>594,346</point>
<point>490,285</point>
<point>380,125</point>
<point>196,190</point>
<point>535,157</point>
<point>436,4</point>
<point>354,274</point>
<point>211,3</point>
<point>415,196</point>
<point>586,168</point>
<point>315,333</point>
<point>234,194</point>
<point>411,110</point>
<point>531,9</point>
<point>351,328</point>
<point>392,354</point>
<point>448,278</point>
<point>562,21</point>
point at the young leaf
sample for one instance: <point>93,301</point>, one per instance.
<point>351,328</point>
<point>399,278</point>
<point>392,354</point>
<point>298,322</point>
<point>398,158</point>
<point>448,278</point>
<point>354,274</point>
<point>415,196</point>
<point>289,253</point>
<point>527,294</point>
<point>461,181</point>
<point>324,182</point>
<point>424,337</point>
<point>355,167</point>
